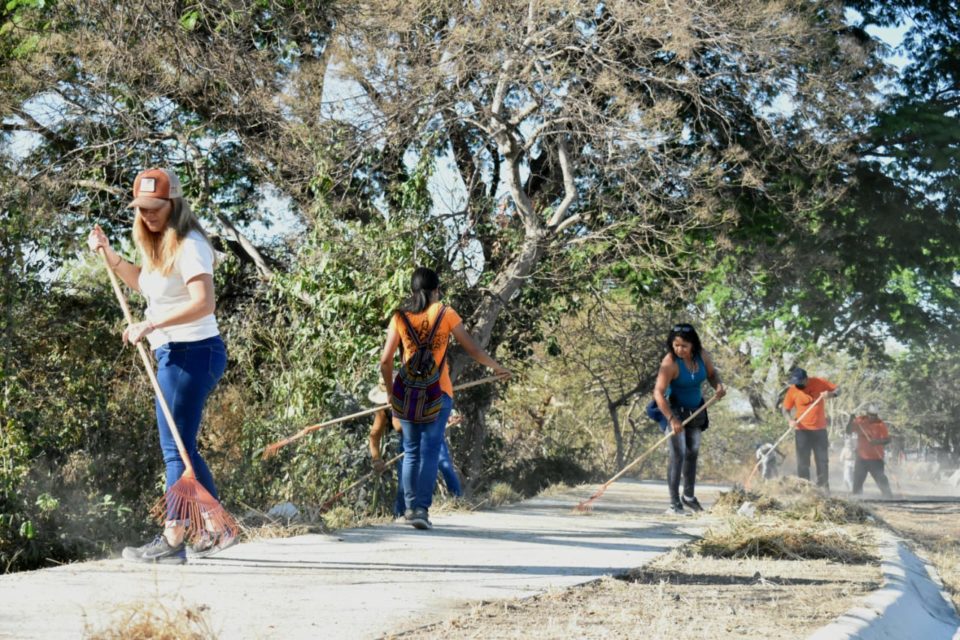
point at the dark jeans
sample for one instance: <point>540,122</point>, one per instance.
<point>684,449</point>
<point>875,469</point>
<point>187,373</point>
<point>815,441</point>
<point>421,457</point>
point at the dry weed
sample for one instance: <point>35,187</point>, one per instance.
<point>502,493</point>
<point>555,489</point>
<point>154,621</point>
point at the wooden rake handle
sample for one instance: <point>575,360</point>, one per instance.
<point>147,364</point>
<point>583,505</point>
<point>329,502</point>
<point>272,449</point>
<point>780,439</point>
<point>659,442</point>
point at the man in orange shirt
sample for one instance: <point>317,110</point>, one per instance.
<point>872,435</point>
<point>811,429</point>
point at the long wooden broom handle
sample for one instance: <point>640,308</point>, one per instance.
<point>659,442</point>
<point>366,412</point>
<point>147,364</point>
<point>780,439</point>
<point>329,502</point>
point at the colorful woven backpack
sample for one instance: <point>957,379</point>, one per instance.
<point>416,395</point>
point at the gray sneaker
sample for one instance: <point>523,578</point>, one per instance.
<point>157,551</point>
<point>420,520</point>
<point>692,503</point>
<point>211,543</point>
<point>675,509</point>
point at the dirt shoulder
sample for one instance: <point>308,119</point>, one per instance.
<point>678,595</point>
<point>800,561</point>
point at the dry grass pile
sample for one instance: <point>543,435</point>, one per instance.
<point>555,489</point>
<point>793,498</point>
<point>258,525</point>
<point>272,530</point>
<point>803,500</point>
<point>743,538</point>
<point>154,621</point>
<point>791,520</point>
<point>729,502</point>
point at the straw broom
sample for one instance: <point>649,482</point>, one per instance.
<point>271,450</point>
<point>587,504</point>
<point>746,485</point>
<point>187,501</point>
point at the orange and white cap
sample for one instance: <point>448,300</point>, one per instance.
<point>153,187</point>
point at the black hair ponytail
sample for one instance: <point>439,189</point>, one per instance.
<point>423,282</point>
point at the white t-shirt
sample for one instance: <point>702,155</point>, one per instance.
<point>166,293</point>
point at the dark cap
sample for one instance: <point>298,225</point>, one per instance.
<point>797,376</point>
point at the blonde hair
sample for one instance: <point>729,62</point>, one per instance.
<point>160,250</point>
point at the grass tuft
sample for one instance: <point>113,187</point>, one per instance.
<point>154,621</point>
<point>340,517</point>
<point>502,493</point>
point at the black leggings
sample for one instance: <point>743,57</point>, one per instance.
<point>684,449</point>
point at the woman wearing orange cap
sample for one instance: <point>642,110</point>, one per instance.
<point>176,278</point>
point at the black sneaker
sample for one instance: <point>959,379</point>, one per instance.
<point>691,502</point>
<point>419,520</point>
<point>675,509</point>
<point>158,551</point>
<point>211,543</point>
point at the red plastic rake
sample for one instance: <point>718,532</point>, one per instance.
<point>187,501</point>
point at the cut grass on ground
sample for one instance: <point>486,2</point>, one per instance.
<point>679,595</point>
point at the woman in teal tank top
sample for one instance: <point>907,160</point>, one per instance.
<point>677,394</point>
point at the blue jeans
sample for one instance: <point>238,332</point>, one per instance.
<point>447,469</point>
<point>421,459</point>
<point>187,373</point>
<point>445,463</point>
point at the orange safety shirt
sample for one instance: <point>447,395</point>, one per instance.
<point>801,399</point>
<point>867,429</point>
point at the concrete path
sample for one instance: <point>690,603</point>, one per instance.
<point>363,583</point>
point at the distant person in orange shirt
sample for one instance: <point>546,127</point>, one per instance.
<point>872,435</point>
<point>811,432</point>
